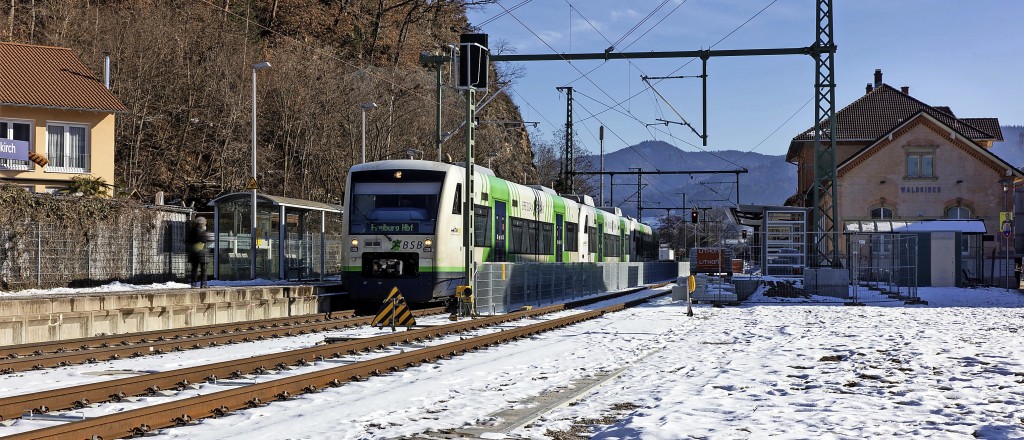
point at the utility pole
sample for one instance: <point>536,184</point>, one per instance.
<point>601,139</point>
<point>639,194</point>
<point>568,165</point>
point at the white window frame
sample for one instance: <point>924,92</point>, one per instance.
<point>882,210</point>
<point>959,207</point>
<point>54,165</point>
<point>915,155</point>
<point>11,164</point>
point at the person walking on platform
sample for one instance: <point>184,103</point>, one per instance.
<point>195,241</point>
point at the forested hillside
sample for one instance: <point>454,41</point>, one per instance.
<point>183,69</point>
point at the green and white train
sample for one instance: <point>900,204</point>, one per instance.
<point>404,226</point>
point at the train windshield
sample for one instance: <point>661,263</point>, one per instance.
<point>393,208</point>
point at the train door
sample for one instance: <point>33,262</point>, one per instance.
<point>600,242</point>
<point>559,227</point>
<point>499,230</point>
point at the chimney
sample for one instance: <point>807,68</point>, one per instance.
<point>867,89</point>
<point>905,90</point>
<point>106,70</point>
<point>878,77</point>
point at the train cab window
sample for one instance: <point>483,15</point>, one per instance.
<point>393,208</point>
<point>482,226</point>
<point>457,205</point>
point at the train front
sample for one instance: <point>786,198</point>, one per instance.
<point>392,223</point>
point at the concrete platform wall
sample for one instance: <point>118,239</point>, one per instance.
<point>55,317</point>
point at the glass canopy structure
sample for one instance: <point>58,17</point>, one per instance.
<point>295,239</point>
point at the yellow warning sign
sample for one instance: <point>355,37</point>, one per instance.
<point>252,184</point>
<point>394,312</point>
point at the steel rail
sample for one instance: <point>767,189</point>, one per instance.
<point>140,421</point>
<point>148,384</point>
<point>145,346</point>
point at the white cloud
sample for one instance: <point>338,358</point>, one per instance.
<point>624,13</point>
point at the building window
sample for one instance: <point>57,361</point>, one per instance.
<point>19,131</point>
<point>920,161</point>
<point>958,212</point>
<point>881,213</point>
<point>67,148</point>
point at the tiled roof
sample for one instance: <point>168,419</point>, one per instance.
<point>878,112</point>
<point>988,125</point>
<point>51,77</point>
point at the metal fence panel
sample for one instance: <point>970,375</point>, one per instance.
<point>503,287</point>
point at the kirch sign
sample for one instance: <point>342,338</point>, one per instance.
<point>12,149</point>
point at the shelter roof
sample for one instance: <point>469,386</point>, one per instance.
<point>277,201</point>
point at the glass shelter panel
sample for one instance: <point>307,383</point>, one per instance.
<point>785,243</point>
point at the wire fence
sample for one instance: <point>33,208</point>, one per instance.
<point>138,250</point>
<point>123,248</point>
<point>798,264</point>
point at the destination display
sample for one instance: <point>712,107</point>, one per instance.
<point>393,227</point>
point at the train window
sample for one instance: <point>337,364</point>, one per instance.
<point>457,205</point>
<point>612,245</point>
<point>533,237</point>
<point>530,237</point>
<point>482,226</point>
<point>517,235</point>
<point>547,239</point>
<point>592,239</point>
<point>572,242</point>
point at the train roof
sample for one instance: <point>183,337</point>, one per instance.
<point>411,164</point>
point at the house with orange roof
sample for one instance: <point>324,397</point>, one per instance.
<point>904,165</point>
<point>56,119</point>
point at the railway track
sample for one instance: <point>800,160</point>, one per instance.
<point>104,348</point>
<point>140,421</point>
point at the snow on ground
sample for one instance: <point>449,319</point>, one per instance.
<point>118,286</point>
<point>790,368</point>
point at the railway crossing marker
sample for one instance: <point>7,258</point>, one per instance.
<point>394,312</point>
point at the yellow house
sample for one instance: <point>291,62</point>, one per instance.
<point>53,106</point>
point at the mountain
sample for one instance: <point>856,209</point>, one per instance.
<point>768,180</point>
<point>1012,148</point>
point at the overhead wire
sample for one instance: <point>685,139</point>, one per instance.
<point>502,14</point>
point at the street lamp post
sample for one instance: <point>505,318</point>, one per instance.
<point>252,224</point>
<point>1006,235</point>
<point>365,107</point>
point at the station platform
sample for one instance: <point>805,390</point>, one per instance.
<point>51,317</point>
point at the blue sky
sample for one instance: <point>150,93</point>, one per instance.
<point>965,55</point>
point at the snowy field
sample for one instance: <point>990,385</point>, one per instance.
<point>770,368</point>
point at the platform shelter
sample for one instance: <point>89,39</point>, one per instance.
<point>295,238</point>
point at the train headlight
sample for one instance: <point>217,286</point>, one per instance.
<point>428,244</point>
<point>355,244</point>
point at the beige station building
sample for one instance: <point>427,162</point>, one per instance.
<point>50,100</point>
<point>900,159</point>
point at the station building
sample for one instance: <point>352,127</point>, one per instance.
<point>52,106</point>
<point>898,158</point>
